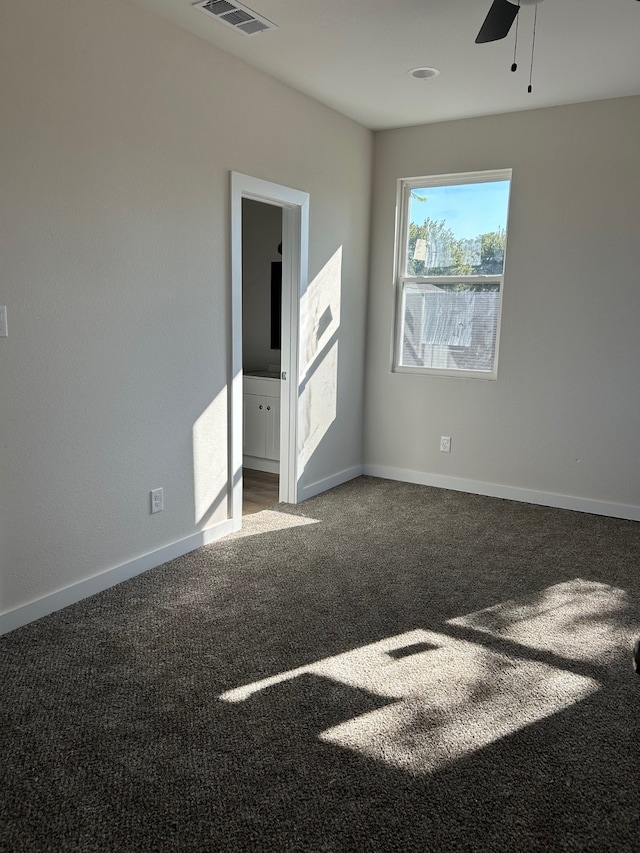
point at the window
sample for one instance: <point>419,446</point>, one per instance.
<point>450,245</point>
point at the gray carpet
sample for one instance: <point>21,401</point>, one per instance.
<point>386,667</point>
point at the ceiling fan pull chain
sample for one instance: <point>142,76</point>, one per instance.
<point>533,47</point>
<point>514,67</point>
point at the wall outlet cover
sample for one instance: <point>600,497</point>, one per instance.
<point>157,500</point>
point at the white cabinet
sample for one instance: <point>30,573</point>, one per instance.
<point>261,435</point>
<point>262,426</point>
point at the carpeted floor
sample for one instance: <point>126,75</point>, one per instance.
<point>386,667</point>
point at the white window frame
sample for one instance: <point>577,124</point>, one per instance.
<point>401,279</point>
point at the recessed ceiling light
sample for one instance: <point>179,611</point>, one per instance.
<point>423,73</point>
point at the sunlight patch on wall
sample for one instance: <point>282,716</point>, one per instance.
<point>210,465</point>
<point>320,308</point>
<point>320,402</point>
<point>320,314</point>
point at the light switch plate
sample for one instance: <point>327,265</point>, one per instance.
<point>4,332</point>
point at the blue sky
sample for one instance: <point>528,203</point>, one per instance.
<point>469,209</point>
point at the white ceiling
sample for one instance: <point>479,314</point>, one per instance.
<point>353,55</point>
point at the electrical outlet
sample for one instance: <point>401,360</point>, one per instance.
<point>157,500</point>
<point>445,444</point>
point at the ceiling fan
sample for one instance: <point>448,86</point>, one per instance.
<point>498,22</point>
<point>501,16</point>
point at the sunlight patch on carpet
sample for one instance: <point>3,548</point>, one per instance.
<point>458,698</point>
<point>449,697</point>
<point>269,521</point>
<point>579,620</point>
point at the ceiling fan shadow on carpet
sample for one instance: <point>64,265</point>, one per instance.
<point>498,23</point>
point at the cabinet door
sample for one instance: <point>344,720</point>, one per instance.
<point>272,421</point>
<point>254,425</point>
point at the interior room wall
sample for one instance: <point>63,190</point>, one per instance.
<point>119,132</point>
<point>261,236</point>
<point>563,417</point>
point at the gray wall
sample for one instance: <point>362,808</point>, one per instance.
<point>261,234</point>
<point>563,418</point>
<point>118,135</point>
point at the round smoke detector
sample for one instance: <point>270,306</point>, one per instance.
<point>423,73</point>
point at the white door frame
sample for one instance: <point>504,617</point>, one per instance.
<point>295,263</point>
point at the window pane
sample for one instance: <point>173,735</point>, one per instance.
<point>450,327</point>
<point>457,230</point>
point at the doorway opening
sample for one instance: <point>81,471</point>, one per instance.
<point>261,353</point>
<point>269,277</point>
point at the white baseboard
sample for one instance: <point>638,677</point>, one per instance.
<point>511,493</point>
<point>313,489</point>
<point>257,463</point>
<point>20,616</point>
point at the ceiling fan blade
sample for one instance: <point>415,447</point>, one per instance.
<point>498,22</point>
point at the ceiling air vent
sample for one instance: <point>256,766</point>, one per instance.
<point>236,15</point>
